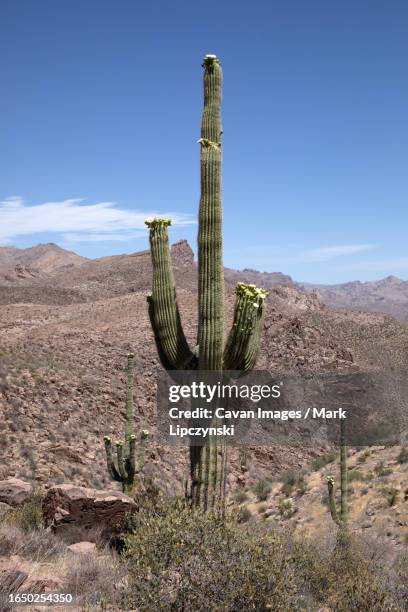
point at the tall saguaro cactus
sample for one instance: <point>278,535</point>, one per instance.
<point>340,518</point>
<point>207,462</point>
<point>126,466</point>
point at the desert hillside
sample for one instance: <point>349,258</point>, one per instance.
<point>64,335</point>
<point>388,295</point>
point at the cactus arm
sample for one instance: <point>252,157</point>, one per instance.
<point>332,501</point>
<point>130,463</point>
<point>113,472</point>
<point>210,265</point>
<point>171,342</point>
<point>243,342</point>
<point>121,462</point>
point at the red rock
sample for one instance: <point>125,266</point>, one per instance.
<point>77,514</point>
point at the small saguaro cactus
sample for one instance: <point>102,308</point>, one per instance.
<point>126,466</point>
<point>207,462</point>
<point>340,518</point>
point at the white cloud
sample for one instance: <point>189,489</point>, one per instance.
<point>331,252</point>
<point>76,221</point>
<point>265,256</point>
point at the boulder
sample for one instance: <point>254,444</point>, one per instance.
<point>83,548</point>
<point>77,514</point>
<point>14,491</point>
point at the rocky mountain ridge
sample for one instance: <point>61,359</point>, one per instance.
<point>25,277</point>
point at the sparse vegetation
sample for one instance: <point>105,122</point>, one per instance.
<point>319,462</point>
<point>391,495</point>
<point>97,581</point>
<point>354,475</point>
<point>240,496</point>
<point>382,470</point>
<point>243,515</point>
<point>403,455</point>
<point>36,544</point>
<point>364,456</point>
<point>28,516</point>
<point>293,481</point>
<point>286,508</point>
<point>262,489</point>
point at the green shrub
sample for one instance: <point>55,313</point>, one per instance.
<point>293,481</point>
<point>262,489</point>
<point>322,460</point>
<point>188,560</point>
<point>28,516</point>
<point>286,508</point>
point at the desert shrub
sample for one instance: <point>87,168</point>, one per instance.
<point>364,456</point>
<point>354,475</point>
<point>347,576</point>
<point>286,508</point>
<point>240,496</point>
<point>319,462</point>
<point>262,508</point>
<point>262,488</point>
<point>97,581</point>
<point>382,470</point>
<point>37,545</point>
<point>403,455</point>
<point>293,481</point>
<point>390,494</point>
<point>301,487</point>
<point>188,560</point>
<point>28,516</point>
<point>243,515</point>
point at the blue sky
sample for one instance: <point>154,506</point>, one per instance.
<point>100,114</point>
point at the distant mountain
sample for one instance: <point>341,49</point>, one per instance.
<point>267,280</point>
<point>25,276</point>
<point>388,295</point>
<point>35,262</point>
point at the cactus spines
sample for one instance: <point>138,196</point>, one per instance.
<point>207,462</point>
<point>126,467</point>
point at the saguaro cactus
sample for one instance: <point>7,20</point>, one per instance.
<point>207,462</point>
<point>340,518</point>
<point>126,466</point>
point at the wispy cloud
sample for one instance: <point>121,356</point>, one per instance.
<point>332,252</point>
<point>267,257</point>
<point>76,221</point>
<point>378,265</point>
